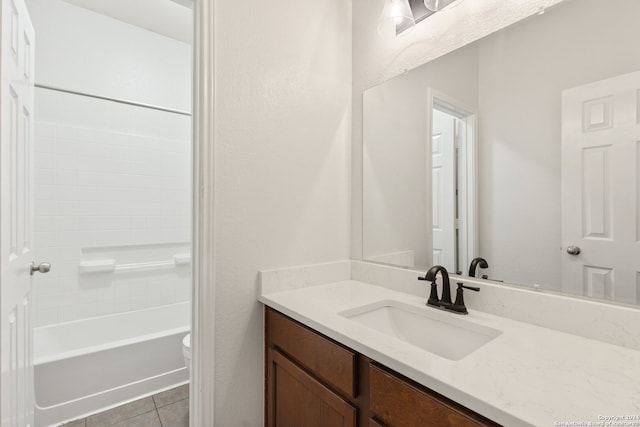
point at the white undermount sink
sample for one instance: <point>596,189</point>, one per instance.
<point>446,334</point>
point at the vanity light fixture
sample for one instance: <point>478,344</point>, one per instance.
<point>437,5</point>
<point>396,18</point>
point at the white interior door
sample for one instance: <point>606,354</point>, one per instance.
<point>600,214</point>
<point>16,145</point>
<point>443,187</point>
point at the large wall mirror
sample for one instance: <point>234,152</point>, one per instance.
<point>521,148</point>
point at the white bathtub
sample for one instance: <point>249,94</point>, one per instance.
<point>85,366</point>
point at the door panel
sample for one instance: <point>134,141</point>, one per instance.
<point>297,399</point>
<point>16,133</point>
<point>596,199</point>
<point>600,189</point>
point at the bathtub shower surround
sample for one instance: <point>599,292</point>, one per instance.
<point>112,215</point>
<point>112,211</point>
<point>112,181</point>
<point>115,199</point>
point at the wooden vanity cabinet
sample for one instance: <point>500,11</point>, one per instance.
<point>311,380</point>
<point>397,401</point>
<point>314,381</point>
<point>297,399</point>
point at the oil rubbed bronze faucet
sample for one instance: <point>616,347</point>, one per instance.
<point>475,263</point>
<point>446,287</point>
<point>445,303</point>
<point>459,306</point>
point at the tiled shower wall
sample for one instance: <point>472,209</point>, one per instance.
<point>112,195</point>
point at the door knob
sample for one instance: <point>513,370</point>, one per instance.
<point>44,267</point>
<point>573,250</point>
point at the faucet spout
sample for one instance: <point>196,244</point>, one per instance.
<point>446,286</point>
<point>475,263</point>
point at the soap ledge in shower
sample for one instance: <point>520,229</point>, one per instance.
<point>100,266</point>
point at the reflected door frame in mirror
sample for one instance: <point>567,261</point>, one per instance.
<point>463,201</point>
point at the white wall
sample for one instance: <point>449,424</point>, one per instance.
<point>283,112</point>
<point>111,181</point>
<point>89,52</point>
<point>376,60</point>
<point>394,159</point>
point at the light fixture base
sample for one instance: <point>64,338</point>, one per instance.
<point>396,17</point>
<point>437,5</point>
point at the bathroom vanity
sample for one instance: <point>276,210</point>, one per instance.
<point>354,344</point>
<point>314,379</point>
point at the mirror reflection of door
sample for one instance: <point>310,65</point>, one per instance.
<point>443,173</point>
<point>452,179</point>
<point>600,190</point>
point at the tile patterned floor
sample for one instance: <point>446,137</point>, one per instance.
<point>167,409</point>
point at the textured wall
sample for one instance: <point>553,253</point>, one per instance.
<point>283,112</point>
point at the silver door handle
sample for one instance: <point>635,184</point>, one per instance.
<point>44,267</point>
<point>573,250</point>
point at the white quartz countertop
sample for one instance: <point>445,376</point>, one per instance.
<point>527,376</point>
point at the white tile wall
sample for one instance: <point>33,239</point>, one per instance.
<point>99,189</point>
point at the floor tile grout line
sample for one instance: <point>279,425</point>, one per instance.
<point>172,403</point>
<point>156,410</point>
<point>135,416</point>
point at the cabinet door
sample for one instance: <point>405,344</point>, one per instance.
<point>397,403</point>
<point>334,364</point>
<point>295,399</point>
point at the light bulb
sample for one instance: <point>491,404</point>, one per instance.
<point>433,5</point>
<point>437,5</point>
<point>396,16</point>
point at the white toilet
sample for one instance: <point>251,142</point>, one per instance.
<point>186,351</point>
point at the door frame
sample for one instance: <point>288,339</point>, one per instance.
<point>468,203</point>
<point>202,385</point>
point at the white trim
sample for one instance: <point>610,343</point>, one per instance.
<point>473,248</point>
<point>428,179</point>
<point>202,397</point>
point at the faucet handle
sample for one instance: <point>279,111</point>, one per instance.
<point>433,297</point>
<point>459,306</point>
<point>433,300</point>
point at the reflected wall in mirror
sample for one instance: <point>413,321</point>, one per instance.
<point>549,112</point>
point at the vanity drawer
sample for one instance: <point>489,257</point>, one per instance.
<point>398,403</point>
<point>333,363</point>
